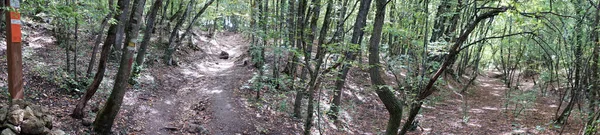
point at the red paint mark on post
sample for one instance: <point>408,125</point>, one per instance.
<point>15,27</point>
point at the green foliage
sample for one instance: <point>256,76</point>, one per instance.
<point>63,79</point>
<point>522,100</point>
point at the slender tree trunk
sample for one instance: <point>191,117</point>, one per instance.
<point>121,31</point>
<point>178,39</point>
<point>386,95</point>
<point>453,51</point>
<point>97,42</point>
<point>299,43</point>
<point>139,61</point>
<point>321,51</point>
<point>349,56</point>
<point>106,116</point>
<point>75,49</point>
<point>291,42</point>
<point>592,94</point>
<point>174,35</point>
<point>110,39</point>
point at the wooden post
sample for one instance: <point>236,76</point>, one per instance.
<point>13,43</point>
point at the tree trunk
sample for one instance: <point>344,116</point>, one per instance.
<point>299,43</point>
<point>139,61</point>
<point>592,94</point>
<point>321,51</point>
<point>110,39</point>
<point>174,35</point>
<point>349,56</point>
<point>173,47</point>
<point>106,116</point>
<point>453,51</point>
<point>121,30</point>
<point>386,95</point>
<point>97,42</point>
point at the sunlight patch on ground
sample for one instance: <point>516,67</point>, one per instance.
<point>552,106</point>
<point>490,108</point>
<point>361,98</point>
<point>214,67</point>
<point>458,123</point>
<point>476,111</point>
<point>532,109</point>
<point>455,101</point>
<point>130,98</point>
<point>428,107</point>
<point>189,72</point>
<point>486,85</point>
<point>147,109</point>
<point>346,116</point>
<point>473,123</point>
<point>496,93</point>
<point>214,91</point>
<point>146,77</point>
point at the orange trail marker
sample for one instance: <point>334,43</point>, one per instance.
<point>14,52</point>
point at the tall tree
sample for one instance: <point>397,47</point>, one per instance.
<point>315,72</point>
<point>106,116</point>
<point>110,40</point>
<point>299,43</point>
<point>139,61</point>
<point>175,34</point>
<point>386,95</point>
<point>350,55</point>
<point>175,39</point>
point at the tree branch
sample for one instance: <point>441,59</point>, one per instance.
<point>487,38</point>
<point>454,50</point>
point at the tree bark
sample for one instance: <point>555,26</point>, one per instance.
<point>174,35</point>
<point>139,61</point>
<point>106,116</point>
<point>110,39</point>
<point>299,43</point>
<point>189,27</point>
<point>592,94</point>
<point>97,42</point>
<point>349,56</point>
<point>453,51</point>
<point>321,51</point>
<point>386,95</point>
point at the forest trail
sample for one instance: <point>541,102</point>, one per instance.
<point>195,97</point>
<point>486,111</point>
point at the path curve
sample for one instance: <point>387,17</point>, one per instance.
<point>195,97</point>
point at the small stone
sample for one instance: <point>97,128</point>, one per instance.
<point>29,113</point>
<point>19,102</point>
<point>138,128</point>
<point>48,120</point>
<point>57,132</point>
<point>37,110</point>
<point>3,113</point>
<point>224,55</point>
<point>33,125</point>
<point>87,122</point>
<point>16,116</point>
<point>195,128</point>
<point>11,127</point>
<point>8,132</point>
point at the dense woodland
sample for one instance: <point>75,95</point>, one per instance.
<point>307,67</point>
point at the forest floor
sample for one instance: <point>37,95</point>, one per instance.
<point>488,111</point>
<point>197,95</point>
<point>207,95</point>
